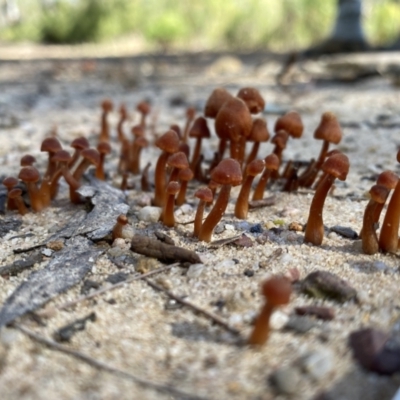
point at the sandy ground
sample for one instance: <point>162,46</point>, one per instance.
<point>139,330</point>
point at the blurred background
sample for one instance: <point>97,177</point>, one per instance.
<point>165,25</point>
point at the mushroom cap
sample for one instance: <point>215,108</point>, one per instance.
<point>277,290</point>
<point>185,174</point>
<point>29,174</point>
<point>217,98</point>
<point>14,193</point>
<point>169,142</point>
<point>253,99</point>
<point>205,194</point>
<point>91,155</point>
<point>199,128</point>
<point>271,162</point>
<point>51,145</point>
<point>255,167</point>
<point>291,123</point>
<point>178,160</point>
<point>107,105</point>
<point>137,130</point>
<point>227,172</point>
<point>280,139</point>
<point>177,129</point>
<point>233,120</point>
<point>10,182</point>
<point>173,188</point>
<point>104,148</point>
<point>379,193</point>
<point>388,179</point>
<point>337,165</point>
<point>27,160</point>
<point>122,219</point>
<point>329,128</point>
<point>190,113</point>
<point>143,107</point>
<point>62,156</point>
<point>259,131</point>
<point>80,143</point>
<point>141,141</point>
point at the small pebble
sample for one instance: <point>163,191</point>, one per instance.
<point>300,324</point>
<point>47,252</point>
<point>149,214</point>
<point>278,320</point>
<point>345,232</point>
<point>295,226</point>
<point>186,208</point>
<point>324,313</point>
<point>195,270</point>
<point>257,228</point>
<point>224,264</point>
<point>116,251</point>
<point>229,227</point>
<point>243,226</point>
<point>219,228</point>
<point>286,380</point>
<point>318,363</point>
<point>143,200</point>
<point>249,273</point>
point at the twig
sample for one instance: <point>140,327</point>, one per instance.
<point>103,366</point>
<point>217,320</point>
<point>106,289</point>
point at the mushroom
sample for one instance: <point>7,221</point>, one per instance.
<point>144,109</point>
<point>199,131</point>
<point>184,176</point>
<point>336,166</point>
<point>78,145</point>
<point>15,195</point>
<point>123,115</point>
<point>242,202</point>
<point>169,144</point>
<point>279,140</point>
<point>144,179</point>
<point>369,238</point>
<point>177,161</point>
<point>259,133</point>
<point>389,236</point>
<point>50,145</point>
<point>122,221</point>
<point>277,291</point>
<point>227,173</point>
<point>217,98</point>
<point>271,164</point>
<point>253,99</point>
<point>106,106</point>
<point>291,123</point>
<point>167,216</point>
<point>103,148</point>
<point>30,175</point>
<point>27,160</point>
<point>9,183</point>
<point>205,196</point>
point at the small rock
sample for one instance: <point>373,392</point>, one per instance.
<point>324,284</point>
<point>249,273</point>
<point>344,231</point>
<point>324,313</point>
<point>229,227</point>
<point>300,324</point>
<point>120,243</point>
<point>128,232</point>
<point>195,270</point>
<point>295,226</point>
<point>186,208</point>
<point>242,226</point>
<point>116,252</point>
<point>278,320</point>
<point>146,264</point>
<point>286,380</point>
<point>117,278</point>
<point>47,252</point>
<point>237,301</point>
<point>143,200</point>
<point>55,245</point>
<point>318,363</point>
<point>243,241</point>
<point>225,264</point>
<point>219,228</point>
<point>293,274</point>
<point>257,228</point>
<point>149,214</point>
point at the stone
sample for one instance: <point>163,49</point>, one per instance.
<point>299,324</point>
<point>286,380</point>
<point>318,363</point>
<point>324,313</point>
<point>195,270</point>
<point>149,214</point>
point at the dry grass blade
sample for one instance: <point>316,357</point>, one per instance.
<point>105,367</point>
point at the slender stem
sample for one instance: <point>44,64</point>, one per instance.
<point>198,219</point>
<point>369,238</point>
<point>262,183</point>
<point>242,202</point>
<point>159,180</point>
<point>260,332</point>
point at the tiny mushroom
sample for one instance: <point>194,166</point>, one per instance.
<point>291,123</point>
<point>217,98</point>
<point>184,176</point>
<point>190,114</point>
<point>205,196</point>
<point>199,131</point>
<point>336,166</point>
<point>123,115</point>
<point>227,173</point>
<point>122,221</point>
<point>242,202</point>
<point>259,133</point>
<point>177,161</point>
<point>27,160</point>
<point>271,164</point>
<point>106,106</point>
<point>78,145</point>
<point>167,216</point>
<point>253,99</point>
<point>144,109</point>
<point>16,196</point>
<point>103,148</point>
<point>30,175</point>
<point>9,183</point>
<point>277,291</point>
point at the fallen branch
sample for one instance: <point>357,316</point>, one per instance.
<point>214,318</point>
<point>103,366</point>
<point>162,251</point>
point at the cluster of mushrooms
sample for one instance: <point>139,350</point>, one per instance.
<point>238,124</point>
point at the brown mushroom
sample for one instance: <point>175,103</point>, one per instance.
<point>123,116</point>
<point>253,99</point>
<point>103,148</point>
<point>167,216</point>
<point>190,114</point>
<point>15,195</point>
<point>106,107</point>
<point>199,131</point>
<point>27,160</point>
<point>271,164</point>
<point>144,109</point>
<point>259,133</point>
<point>30,175</point>
<point>205,196</point>
<point>217,98</point>
<point>9,183</point>
<point>122,221</point>
<point>177,161</point>
<point>184,176</point>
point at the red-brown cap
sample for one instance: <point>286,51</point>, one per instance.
<point>104,148</point>
<point>27,160</point>
<point>177,129</point>
<point>233,120</point>
<point>122,219</point>
<point>272,162</point>
<point>255,167</point>
<point>199,128</point>
<point>178,160</point>
<point>277,290</point>
<point>227,172</point>
<point>379,193</point>
<point>137,130</point>
<point>51,145</point>
<point>80,143</point>
<point>141,141</point>
<point>14,193</point>
<point>329,129</point>
<point>185,174</point>
<point>173,188</point>
<point>204,194</point>
<point>253,99</point>
<point>280,139</point>
<point>10,182</point>
<point>190,113</point>
<point>143,107</point>
<point>91,155</point>
<point>107,105</point>
<point>62,156</point>
<point>29,174</point>
<point>259,131</point>
<point>217,98</point>
<point>169,142</point>
<point>291,123</point>
<point>388,179</point>
<point>337,165</point>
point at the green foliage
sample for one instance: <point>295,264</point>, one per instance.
<point>234,24</point>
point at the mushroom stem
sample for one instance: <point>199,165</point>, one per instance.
<point>215,214</point>
<point>260,332</point>
<point>315,226</point>
<point>369,238</point>
<point>253,153</point>
<point>144,180</point>
<point>159,180</point>
<point>262,183</point>
<point>198,219</point>
<point>196,154</point>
